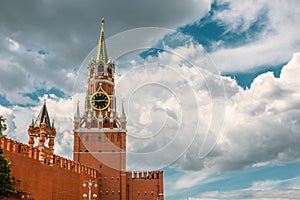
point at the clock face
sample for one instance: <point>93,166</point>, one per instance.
<point>100,101</point>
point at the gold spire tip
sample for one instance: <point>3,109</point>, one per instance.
<point>102,25</point>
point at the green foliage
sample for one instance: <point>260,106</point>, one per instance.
<point>6,183</point>
<point>2,125</point>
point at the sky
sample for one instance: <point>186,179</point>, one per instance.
<point>211,89</point>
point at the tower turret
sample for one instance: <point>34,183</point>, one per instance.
<point>77,117</point>
<point>77,114</point>
<point>123,117</point>
<point>42,130</point>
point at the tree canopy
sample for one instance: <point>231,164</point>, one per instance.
<point>6,183</point>
<point>2,125</point>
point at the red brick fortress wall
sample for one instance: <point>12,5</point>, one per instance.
<point>59,179</point>
<point>146,185</point>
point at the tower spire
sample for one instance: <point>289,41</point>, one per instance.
<point>101,49</point>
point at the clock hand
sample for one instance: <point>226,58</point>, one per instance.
<point>100,100</point>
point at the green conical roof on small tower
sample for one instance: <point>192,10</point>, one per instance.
<point>43,117</point>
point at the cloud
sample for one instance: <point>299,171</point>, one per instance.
<point>190,179</point>
<point>177,111</point>
<point>181,115</point>
<point>170,103</point>
<point>13,45</point>
<point>267,190</point>
<point>261,125</point>
<point>43,40</point>
<point>165,113</point>
<point>64,33</point>
<point>26,71</point>
<point>170,107</point>
<point>273,45</point>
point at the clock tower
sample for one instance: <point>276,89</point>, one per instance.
<point>99,132</point>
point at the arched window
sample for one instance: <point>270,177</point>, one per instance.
<point>101,67</point>
<point>94,123</point>
<point>109,71</point>
<point>99,139</point>
<point>86,138</point>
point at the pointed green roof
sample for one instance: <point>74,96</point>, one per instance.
<point>43,117</point>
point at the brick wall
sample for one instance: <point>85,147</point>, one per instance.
<point>43,180</point>
<point>146,185</point>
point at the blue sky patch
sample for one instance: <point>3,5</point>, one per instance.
<point>41,92</point>
<point>208,31</point>
<point>151,52</point>
<point>238,180</point>
<point>43,52</point>
<point>4,101</point>
<point>245,79</point>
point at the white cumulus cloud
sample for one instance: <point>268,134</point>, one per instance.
<point>273,45</point>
